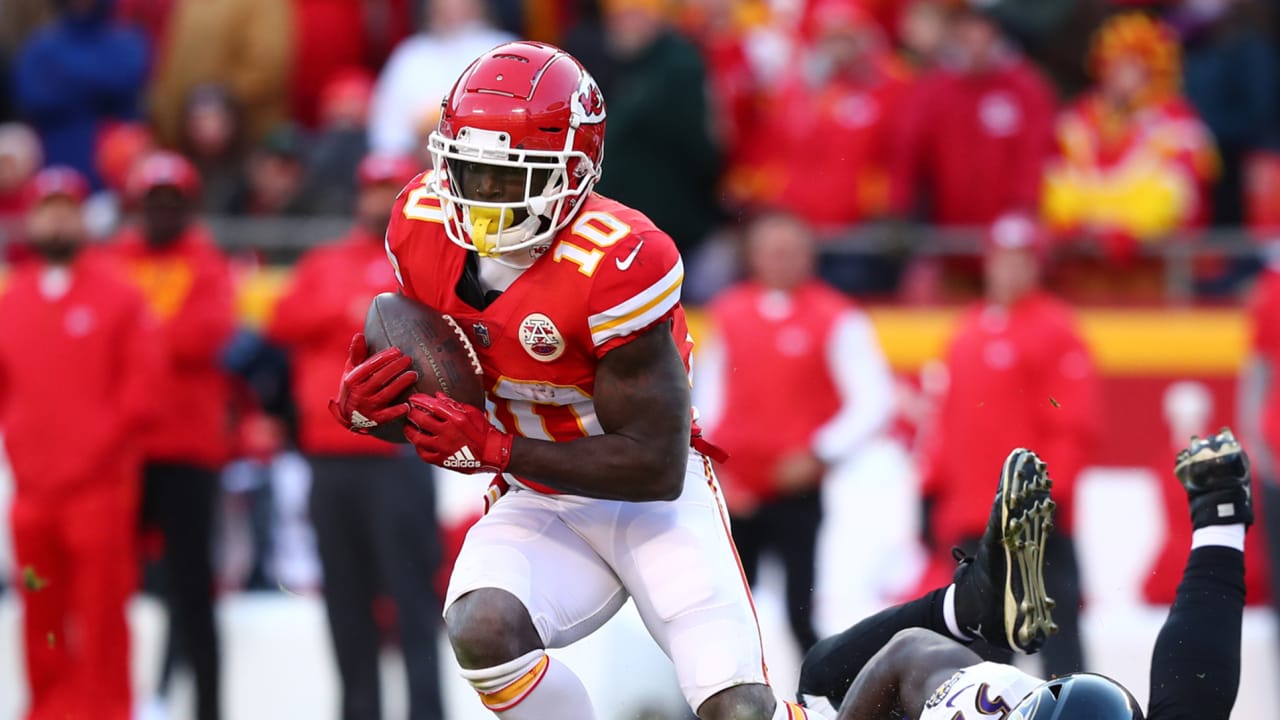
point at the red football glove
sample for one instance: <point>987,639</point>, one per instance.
<point>452,435</point>
<point>367,395</point>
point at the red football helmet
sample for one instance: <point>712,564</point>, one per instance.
<point>524,107</point>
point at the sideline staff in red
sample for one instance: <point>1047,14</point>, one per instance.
<point>1019,375</point>
<point>373,506</point>
<point>77,355</point>
<point>187,282</point>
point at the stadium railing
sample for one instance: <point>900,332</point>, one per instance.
<point>280,240</point>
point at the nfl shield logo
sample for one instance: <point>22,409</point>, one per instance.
<point>481,332</point>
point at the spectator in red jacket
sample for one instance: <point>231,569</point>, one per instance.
<point>733,38</point>
<point>977,130</point>
<point>1260,404</point>
<point>333,35</point>
<point>795,386</point>
<point>1019,375</point>
<point>78,356</point>
<point>187,283</point>
<point>833,119</point>
<point>373,506</point>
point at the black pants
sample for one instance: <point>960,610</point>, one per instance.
<point>1195,666</point>
<point>788,526</point>
<point>1269,489</point>
<point>375,522</point>
<point>1064,652</point>
<point>181,501</point>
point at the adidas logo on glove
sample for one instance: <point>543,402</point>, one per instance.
<point>463,460</point>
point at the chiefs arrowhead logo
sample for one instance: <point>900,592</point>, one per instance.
<point>588,102</point>
<point>592,102</point>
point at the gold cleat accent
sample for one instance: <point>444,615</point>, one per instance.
<point>1027,519</point>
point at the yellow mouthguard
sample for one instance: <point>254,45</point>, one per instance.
<point>482,219</point>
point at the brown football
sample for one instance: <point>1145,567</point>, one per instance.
<point>441,353</point>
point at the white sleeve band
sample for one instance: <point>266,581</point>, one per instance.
<point>708,383</point>
<point>640,310</point>
<point>865,386</point>
<point>1231,536</point>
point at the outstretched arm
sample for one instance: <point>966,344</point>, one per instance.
<point>901,677</point>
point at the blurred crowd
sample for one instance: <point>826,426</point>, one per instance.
<point>1065,141</point>
<point>1121,125</point>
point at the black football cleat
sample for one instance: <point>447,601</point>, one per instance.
<point>1000,593</point>
<point>1215,473</point>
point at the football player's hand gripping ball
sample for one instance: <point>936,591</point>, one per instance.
<point>456,436</point>
<point>371,387</point>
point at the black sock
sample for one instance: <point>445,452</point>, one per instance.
<point>1195,666</point>
<point>832,664</point>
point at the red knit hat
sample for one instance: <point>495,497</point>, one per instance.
<point>1016,231</point>
<point>383,168</point>
<point>58,181</point>
<point>164,169</point>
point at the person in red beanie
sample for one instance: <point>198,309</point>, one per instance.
<point>1019,375</point>
<point>78,354</point>
<point>187,282</point>
<point>794,388</point>
<point>373,506</point>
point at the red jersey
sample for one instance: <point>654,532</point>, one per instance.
<point>1019,377</point>
<point>1143,175</point>
<point>604,279</point>
<point>1264,316</point>
<point>187,285</point>
<point>86,356</point>
<point>325,305</point>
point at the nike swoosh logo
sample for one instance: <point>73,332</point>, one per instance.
<point>624,264</point>
<point>951,700</point>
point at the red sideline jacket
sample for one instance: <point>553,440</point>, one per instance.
<point>979,142</point>
<point>778,391</point>
<point>323,307</point>
<point>1018,378</point>
<point>1264,317</point>
<point>76,377</point>
<point>188,288</point>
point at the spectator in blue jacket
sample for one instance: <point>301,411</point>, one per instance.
<point>74,75</point>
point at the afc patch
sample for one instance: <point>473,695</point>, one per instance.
<point>541,338</point>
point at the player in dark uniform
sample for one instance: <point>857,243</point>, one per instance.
<point>911,658</point>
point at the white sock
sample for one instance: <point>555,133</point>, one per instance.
<point>1231,536</point>
<point>788,711</point>
<point>949,615</point>
<point>534,686</point>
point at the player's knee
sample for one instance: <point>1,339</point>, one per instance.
<point>821,668</point>
<point>489,627</point>
<point>740,702</point>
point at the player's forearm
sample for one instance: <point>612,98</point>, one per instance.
<point>611,466</point>
<point>873,695</point>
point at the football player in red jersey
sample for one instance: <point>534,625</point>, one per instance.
<point>605,489</point>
